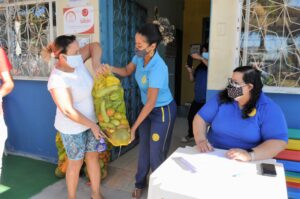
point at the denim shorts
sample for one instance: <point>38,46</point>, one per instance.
<point>77,145</point>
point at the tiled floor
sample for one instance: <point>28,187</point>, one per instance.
<point>120,180</point>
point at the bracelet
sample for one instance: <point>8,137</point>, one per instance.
<point>252,155</point>
<point>202,141</point>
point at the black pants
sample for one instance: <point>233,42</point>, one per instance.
<point>195,106</point>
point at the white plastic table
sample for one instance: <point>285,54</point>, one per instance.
<point>188,174</point>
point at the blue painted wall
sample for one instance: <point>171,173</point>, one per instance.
<point>106,30</point>
<point>29,114</point>
<point>289,103</point>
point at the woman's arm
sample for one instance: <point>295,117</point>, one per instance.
<point>7,83</point>
<point>150,104</point>
<point>200,58</point>
<point>266,150</point>
<point>190,73</point>
<point>124,72</point>
<point>205,61</point>
<point>63,100</point>
<point>93,51</point>
<point>269,149</point>
<point>199,130</point>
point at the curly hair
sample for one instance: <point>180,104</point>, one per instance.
<point>166,30</point>
<point>250,76</point>
<point>159,31</point>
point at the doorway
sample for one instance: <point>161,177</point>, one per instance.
<point>196,30</point>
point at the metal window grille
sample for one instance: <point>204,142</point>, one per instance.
<point>270,38</point>
<point>26,26</point>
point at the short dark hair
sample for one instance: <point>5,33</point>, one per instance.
<point>206,46</point>
<point>62,42</point>
<point>250,76</point>
<point>151,32</point>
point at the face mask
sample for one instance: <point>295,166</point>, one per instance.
<point>205,55</point>
<point>234,92</point>
<point>74,61</point>
<point>141,53</point>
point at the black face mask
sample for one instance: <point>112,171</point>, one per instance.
<point>234,92</point>
<point>141,53</point>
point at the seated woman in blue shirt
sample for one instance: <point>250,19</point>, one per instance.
<point>242,120</point>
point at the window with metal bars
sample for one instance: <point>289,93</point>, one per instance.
<point>270,39</point>
<point>25,28</point>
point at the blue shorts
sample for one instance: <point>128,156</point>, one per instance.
<point>77,145</point>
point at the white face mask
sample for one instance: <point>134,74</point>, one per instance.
<point>74,61</point>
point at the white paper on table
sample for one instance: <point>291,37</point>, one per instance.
<point>216,161</point>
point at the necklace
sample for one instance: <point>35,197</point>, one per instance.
<point>147,60</point>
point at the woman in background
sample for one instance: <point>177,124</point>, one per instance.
<point>197,75</point>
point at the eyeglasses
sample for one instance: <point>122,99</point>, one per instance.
<point>235,84</point>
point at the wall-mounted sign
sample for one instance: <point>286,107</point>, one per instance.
<point>79,20</point>
<point>83,40</point>
<point>73,3</point>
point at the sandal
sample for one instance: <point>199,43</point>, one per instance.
<point>100,196</point>
<point>137,193</point>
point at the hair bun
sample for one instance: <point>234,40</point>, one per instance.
<point>166,30</point>
<point>49,52</point>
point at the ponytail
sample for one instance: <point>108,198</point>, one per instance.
<point>166,30</point>
<point>159,31</point>
<point>47,52</point>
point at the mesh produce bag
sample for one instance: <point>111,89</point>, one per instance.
<point>109,103</point>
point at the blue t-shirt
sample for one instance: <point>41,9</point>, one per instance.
<point>153,75</point>
<point>200,77</point>
<point>229,130</point>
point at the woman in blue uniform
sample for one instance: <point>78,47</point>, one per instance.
<point>156,120</point>
<point>199,77</point>
<point>242,119</point>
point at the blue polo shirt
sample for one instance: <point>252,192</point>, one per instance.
<point>153,75</point>
<point>229,130</point>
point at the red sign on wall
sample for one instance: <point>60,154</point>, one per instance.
<point>79,20</point>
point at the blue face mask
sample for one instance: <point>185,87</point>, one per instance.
<point>205,55</point>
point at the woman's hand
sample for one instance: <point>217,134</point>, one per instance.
<point>97,132</point>
<point>97,69</point>
<point>132,134</point>
<point>105,69</point>
<point>238,154</point>
<point>204,146</point>
<point>189,69</point>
